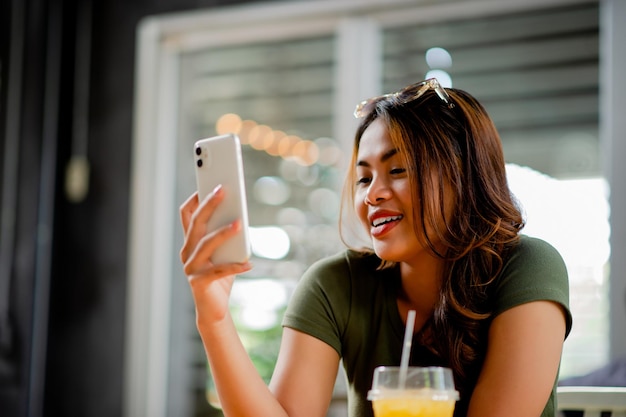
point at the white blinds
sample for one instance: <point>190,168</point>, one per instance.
<point>535,72</point>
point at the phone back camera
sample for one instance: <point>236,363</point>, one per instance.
<point>199,162</point>
<point>198,150</point>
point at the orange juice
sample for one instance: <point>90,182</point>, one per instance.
<point>416,392</point>
<point>412,406</point>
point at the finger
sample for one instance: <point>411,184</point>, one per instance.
<point>196,215</point>
<point>186,210</point>
<point>200,253</point>
<point>207,206</point>
<point>215,272</point>
<point>212,241</point>
<point>200,217</point>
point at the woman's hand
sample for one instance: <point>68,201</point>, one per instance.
<point>306,368</point>
<point>210,284</point>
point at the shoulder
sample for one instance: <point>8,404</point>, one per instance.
<point>533,270</point>
<point>532,254</point>
<point>342,265</point>
<point>322,300</point>
<point>340,278</point>
<point>336,262</point>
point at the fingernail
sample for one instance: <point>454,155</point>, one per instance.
<point>217,189</point>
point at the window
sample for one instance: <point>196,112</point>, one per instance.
<point>536,72</point>
<point>293,74</point>
<point>278,96</point>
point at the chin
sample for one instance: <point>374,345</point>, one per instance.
<point>387,253</point>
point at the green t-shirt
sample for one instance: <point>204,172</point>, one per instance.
<point>346,302</point>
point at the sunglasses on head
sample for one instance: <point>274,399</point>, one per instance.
<point>404,96</point>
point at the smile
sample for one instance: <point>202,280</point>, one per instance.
<point>383,220</point>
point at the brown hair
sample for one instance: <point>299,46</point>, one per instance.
<point>458,148</point>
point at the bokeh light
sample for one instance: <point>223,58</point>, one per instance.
<point>228,123</point>
<point>438,58</point>
<point>260,300</point>
<point>442,76</point>
<point>325,203</point>
<point>270,242</point>
<point>278,143</point>
<point>271,190</point>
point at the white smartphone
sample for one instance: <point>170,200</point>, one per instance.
<point>218,161</point>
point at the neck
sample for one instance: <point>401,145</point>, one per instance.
<point>421,283</point>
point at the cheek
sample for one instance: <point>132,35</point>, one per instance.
<point>405,196</point>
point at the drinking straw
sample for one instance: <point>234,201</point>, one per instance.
<point>406,348</point>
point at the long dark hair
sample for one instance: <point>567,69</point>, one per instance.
<point>458,148</point>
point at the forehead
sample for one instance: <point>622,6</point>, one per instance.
<point>374,142</point>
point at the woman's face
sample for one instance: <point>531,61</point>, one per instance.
<point>383,199</point>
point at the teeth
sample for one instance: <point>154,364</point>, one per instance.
<point>383,220</point>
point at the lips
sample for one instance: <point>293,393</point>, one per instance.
<point>383,221</point>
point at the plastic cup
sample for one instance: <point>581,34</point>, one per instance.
<point>427,392</point>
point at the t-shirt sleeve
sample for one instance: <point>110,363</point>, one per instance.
<point>535,271</point>
<point>320,303</point>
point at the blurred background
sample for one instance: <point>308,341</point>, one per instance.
<point>101,102</point>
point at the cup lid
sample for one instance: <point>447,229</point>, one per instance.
<point>432,382</point>
<point>429,393</point>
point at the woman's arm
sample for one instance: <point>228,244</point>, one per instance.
<point>522,362</point>
<point>303,377</point>
<point>305,374</point>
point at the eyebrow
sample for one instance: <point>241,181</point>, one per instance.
<point>386,156</point>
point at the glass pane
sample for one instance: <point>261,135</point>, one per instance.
<point>537,75</point>
<point>278,97</point>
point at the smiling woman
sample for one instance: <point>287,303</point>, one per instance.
<point>428,183</point>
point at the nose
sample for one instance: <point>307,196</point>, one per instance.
<point>377,192</point>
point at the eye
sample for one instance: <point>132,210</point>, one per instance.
<point>363,176</point>
<point>397,171</point>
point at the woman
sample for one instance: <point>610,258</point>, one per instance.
<point>428,184</point>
